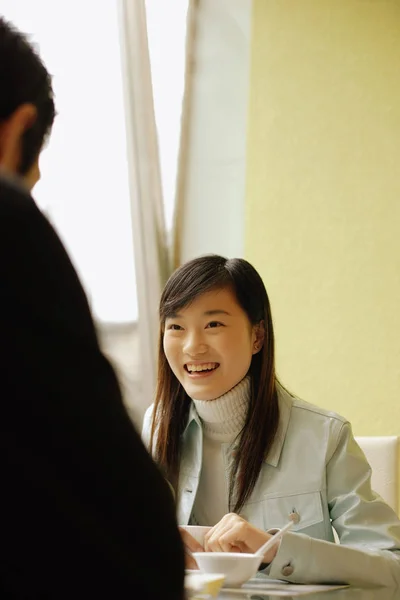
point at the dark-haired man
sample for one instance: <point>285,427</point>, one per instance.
<point>84,511</point>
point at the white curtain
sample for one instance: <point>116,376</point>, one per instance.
<point>152,260</point>
<point>184,146</point>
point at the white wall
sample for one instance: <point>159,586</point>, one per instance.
<point>215,192</point>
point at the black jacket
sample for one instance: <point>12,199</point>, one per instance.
<point>84,512</point>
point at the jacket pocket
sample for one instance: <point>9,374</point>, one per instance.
<point>305,510</point>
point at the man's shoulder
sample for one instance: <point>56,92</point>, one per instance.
<point>22,223</point>
<point>10,188</point>
<point>35,264</point>
<point>15,202</point>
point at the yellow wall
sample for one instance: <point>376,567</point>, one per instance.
<point>323,199</point>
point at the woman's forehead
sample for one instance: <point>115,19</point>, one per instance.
<point>212,302</point>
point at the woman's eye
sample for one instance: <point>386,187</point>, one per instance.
<point>214,324</point>
<point>174,327</point>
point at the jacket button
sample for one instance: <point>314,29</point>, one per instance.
<point>294,517</point>
<point>287,571</point>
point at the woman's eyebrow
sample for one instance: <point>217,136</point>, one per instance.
<point>207,313</point>
<point>174,315</point>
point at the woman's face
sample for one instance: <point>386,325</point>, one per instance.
<point>210,343</point>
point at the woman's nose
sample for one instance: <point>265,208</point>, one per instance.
<point>194,345</point>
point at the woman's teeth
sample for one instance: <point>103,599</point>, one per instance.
<point>203,367</point>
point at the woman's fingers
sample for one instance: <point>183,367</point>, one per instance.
<point>190,543</point>
<point>215,540</point>
<point>235,534</point>
<point>190,562</point>
<point>211,539</point>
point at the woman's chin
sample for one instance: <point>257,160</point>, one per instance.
<point>201,390</point>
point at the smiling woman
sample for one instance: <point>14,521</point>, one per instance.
<point>240,342</point>
<point>203,352</point>
<point>243,454</point>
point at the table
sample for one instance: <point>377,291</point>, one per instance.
<point>341,594</point>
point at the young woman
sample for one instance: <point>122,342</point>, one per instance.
<point>244,455</point>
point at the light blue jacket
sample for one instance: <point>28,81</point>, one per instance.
<point>316,475</point>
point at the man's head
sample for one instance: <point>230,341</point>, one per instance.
<point>26,105</point>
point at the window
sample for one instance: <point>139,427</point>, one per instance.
<point>84,187</point>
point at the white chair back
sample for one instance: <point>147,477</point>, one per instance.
<point>383,455</point>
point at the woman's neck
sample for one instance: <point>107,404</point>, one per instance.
<point>224,417</point>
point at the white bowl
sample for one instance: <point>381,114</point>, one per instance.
<point>236,567</point>
<point>197,531</point>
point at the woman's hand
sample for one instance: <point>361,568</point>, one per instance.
<point>234,534</point>
<point>191,545</point>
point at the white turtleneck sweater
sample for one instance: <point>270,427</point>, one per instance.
<point>222,420</point>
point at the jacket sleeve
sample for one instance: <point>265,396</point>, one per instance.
<point>146,427</point>
<point>368,530</point>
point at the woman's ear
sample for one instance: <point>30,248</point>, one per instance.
<point>258,336</point>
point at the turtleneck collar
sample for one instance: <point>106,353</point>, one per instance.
<point>224,417</point>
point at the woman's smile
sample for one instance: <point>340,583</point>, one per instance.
<point>201,370</point>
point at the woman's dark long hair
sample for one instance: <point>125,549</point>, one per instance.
<point>172,404</point>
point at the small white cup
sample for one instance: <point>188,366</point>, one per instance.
<point>197,532</point>
<point>236,567</point>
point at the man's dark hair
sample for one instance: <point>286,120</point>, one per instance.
<point>25,79</point>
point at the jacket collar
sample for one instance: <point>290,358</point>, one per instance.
<point>285,402</point>
<point>193,416</point>
<point>285,407</point>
